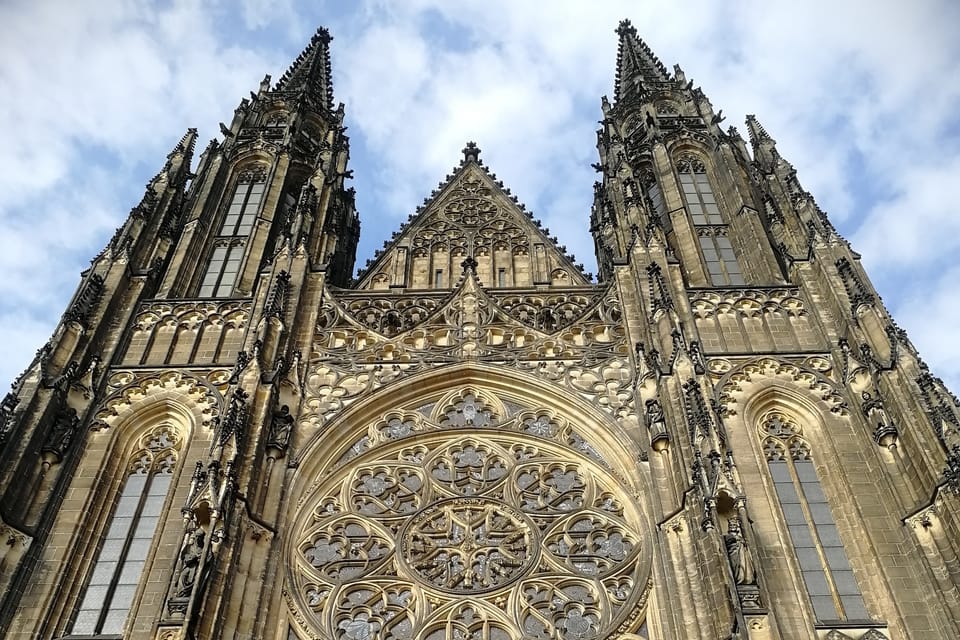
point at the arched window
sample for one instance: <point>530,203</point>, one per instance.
<point>709,225</point>
<point>121,559</point>
<point>826,571</point>
<point>223,265</point>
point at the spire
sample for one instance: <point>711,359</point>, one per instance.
<point>637,66</point>
<point>756,131</point>
<point>311,72</point>
<point>187,143</point>
<point>177,167</point>
<point>764,146</point>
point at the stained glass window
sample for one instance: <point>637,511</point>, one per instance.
<point>113,582</point>
<point>824,566</point>
<point>709,225</point>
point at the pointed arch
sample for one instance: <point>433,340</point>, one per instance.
<point>139,441</point>
<point>710,224</point>
<point>782,414</point>
<point>479,499</point>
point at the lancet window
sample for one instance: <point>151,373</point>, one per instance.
<point>711,229</point>
<point>223,266</point>
<point>655,196</point>
<point>120,562</point>
<point>826,571</point>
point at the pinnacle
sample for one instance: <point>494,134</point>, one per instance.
<point>626,27</point>
<point>756,131</point>
<point>186,143</point>
<point>636,63</point>
<point>311,71</point>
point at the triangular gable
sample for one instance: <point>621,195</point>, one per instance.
<point>471,215</point>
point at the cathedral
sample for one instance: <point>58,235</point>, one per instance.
<point>234,434</point>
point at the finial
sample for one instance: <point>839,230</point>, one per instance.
<point>470,264</point>
<point>471,152</point>
<point>322,35</point>
<point>626,27</point>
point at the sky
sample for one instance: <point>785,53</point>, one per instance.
<point>862,96</point>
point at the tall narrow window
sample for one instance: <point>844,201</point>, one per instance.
<point>708,223</point>
<point>119,566</point>
<point>823,562</point>
<point>438,278</point>
<point>229,247</point>
<point>222,270</point>
<point>243,209</point>
<point>655,196</point>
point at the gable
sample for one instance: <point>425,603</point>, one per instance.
<point>471,216</point>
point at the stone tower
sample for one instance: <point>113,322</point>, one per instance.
<point>726,436</point>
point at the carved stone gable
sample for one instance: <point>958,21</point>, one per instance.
<point>471,216</point>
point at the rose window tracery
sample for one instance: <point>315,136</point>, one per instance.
<point>469,517</point>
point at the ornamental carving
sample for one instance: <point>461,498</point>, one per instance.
<point>813,375</point>
<point>470,215</point>
<point>468,532</point>
<point>468,545</point>
<point>132,391</point>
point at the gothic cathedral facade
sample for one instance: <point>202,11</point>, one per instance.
<point>723,435</point>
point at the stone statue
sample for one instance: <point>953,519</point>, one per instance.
<point>61,433</point>
<point>190,563</point>
<point>655,419</point>
<point>740,561</point>
<point>281,426</point>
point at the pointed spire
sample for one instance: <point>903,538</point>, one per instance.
<point>637,66</point>
<point>311,71</point>
<point>177,167</point>
<point>764,146</point>
<point>186,145</point>
<point>756,131</point>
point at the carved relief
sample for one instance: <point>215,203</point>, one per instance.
<point>200,332</point>
<point>135,390</point>
<point>760,320</point>
<point>458,536</point>
<point>813,373</point>
<point>574,338</point>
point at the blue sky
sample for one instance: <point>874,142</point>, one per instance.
<point>862,97</point>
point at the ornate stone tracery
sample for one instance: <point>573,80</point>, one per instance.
<point>468,518</point>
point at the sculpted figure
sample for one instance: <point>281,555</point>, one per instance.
<point>740,561</point>
<point>189,563</point>
<point>281,426</point>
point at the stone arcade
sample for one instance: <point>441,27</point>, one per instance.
<point>725,436</point>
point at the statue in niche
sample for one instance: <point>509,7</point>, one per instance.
<point>190,563</point>
<point>740,561</point>
<point>65,424</point>
<point>655,420</point>
<point>281,427</point>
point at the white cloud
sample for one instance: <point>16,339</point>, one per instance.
<point>858,97</point>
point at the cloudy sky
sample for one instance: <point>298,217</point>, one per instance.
<point>863,97</point>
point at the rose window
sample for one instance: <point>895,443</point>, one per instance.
<point>472,533</point>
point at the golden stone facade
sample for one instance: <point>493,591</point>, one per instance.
<point>724,436</point>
